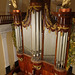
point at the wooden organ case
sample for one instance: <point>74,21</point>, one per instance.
<point>42,46</point>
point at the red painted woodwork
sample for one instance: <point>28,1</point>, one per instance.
<point>44,72</point>
<point>21,63</point>
<point>28,64</point>
<point>47,69</point>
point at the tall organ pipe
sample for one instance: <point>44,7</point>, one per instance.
<point>33,30</point>
<point>37,31</point>
<point>66,34</point>
<point>58,44</point>
<point>40,30</point>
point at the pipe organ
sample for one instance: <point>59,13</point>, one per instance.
<point>42,45</point>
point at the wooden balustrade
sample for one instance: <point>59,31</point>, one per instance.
<point>6,19</point>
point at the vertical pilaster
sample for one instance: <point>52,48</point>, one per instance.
<point>5,52</point>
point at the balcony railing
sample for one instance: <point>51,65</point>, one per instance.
<point>6,19</point>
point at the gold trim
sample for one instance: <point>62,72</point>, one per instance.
<point>35,7</point>
<point>64,28</point>
<point>17,23</point>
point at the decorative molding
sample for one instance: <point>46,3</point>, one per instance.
<point>5,51</point>
<point>5,28</point>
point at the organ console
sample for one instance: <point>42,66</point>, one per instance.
<point>42,45</point>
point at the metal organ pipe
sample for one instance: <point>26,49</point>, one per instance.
<point>62,60</point>
<point>33,30</point>
<point>64,49</point>
<point>37,31</point>
<point>61,49</point>
<point>66,34</point>
<point>36,22</point>
<point>40,30</point>
<point>58,50</point>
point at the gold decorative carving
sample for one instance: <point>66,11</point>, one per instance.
<point>64,28</point>
<point>35,7</point>
<point>49,23</point>
<point>17,23</point>
<point>61,33</point>
<point>74,20</point>
<point>73,44</point>
<point>49,31</point>
<point>26,21</point>
<point>20,59</point>
<point>37,67</point>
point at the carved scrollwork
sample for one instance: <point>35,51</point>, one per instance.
<point>26,22</point>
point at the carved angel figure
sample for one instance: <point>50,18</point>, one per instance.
<point>14,3</point>
<point>66,3</point>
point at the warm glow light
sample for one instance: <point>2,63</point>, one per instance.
<point>9,4</point>
<point>17,10</point>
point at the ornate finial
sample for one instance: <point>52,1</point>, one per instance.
<point>66,3</point>
<point>14,4</point>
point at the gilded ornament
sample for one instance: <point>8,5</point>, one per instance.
<point>56,32</point>
<point>14,3</point>
<point>66,3</point>
<point>64,28</point>
<point>74,20</point>
<point>20,59</point>
<point>37,67</point>
<point>48,20</point>
<point>43,27</point>
<point>49,31</point>
<point>35,7</point>
<point>61,33</point>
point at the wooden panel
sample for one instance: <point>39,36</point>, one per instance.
<point>46,73</point>
<point>27,64</point>
<point>48,67</point>
<point>21,62</point>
